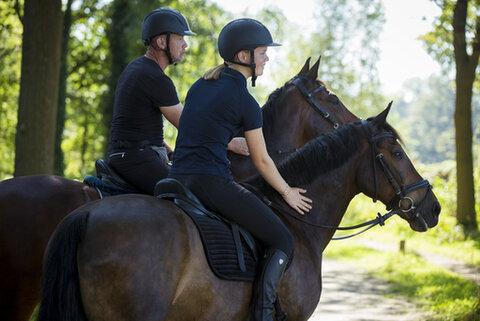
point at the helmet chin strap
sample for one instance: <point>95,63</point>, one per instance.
<point>252,66</point>
<point>167,51</point>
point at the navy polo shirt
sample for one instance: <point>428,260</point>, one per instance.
<point>214,111</point>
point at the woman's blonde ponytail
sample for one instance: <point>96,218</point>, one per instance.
<point>215,72</point>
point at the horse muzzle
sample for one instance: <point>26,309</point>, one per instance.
<point>425,217</point>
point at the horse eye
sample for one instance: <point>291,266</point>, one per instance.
<point>397,155</point>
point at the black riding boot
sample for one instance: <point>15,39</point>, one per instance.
<point>265,286</point>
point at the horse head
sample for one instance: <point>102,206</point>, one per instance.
<point>305,108</point>
<point>390,176</point>
<point>299,111</point>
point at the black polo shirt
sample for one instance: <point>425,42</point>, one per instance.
<point>214,111</point>
<point>142,88</point>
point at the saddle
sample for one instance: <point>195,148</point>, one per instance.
<point>108,182</point>
<point>231,251</point>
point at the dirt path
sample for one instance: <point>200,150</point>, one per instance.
<point>350,294</point>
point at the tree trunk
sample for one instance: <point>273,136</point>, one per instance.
<point>37,106</point>
<point>465,67</point>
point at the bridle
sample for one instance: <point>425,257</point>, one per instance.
<point>401,191</point>
<point>308,95</point>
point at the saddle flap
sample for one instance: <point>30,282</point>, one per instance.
<point>231,251</point>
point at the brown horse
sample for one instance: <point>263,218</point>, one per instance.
<point>136,257</point>
<point>32,206</point>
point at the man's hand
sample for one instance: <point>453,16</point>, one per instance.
<point>169,150</point>
<point>238,145</point>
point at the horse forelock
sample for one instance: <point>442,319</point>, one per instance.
<point>321,155</point>
<point>388,128</point>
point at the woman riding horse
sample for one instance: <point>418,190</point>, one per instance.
<point>216,107</point>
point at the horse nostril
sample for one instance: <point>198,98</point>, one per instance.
<point>436,208</point>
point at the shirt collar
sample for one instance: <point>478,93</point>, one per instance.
<point>235,74</point>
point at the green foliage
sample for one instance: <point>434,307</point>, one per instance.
<point>83,138</point>
<point>425,119</point>
<point>347,38</point>
<point>10,58</point>
<point>439,41</point>
<point>445,295</point>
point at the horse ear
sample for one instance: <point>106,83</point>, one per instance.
<point>380,120</point>
<point>313,72</point>
<point>306,67</point>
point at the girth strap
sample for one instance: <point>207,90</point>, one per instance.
<point>238,246</point>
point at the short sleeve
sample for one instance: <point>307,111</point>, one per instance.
<point>252,114</point>
<point>163,92</point>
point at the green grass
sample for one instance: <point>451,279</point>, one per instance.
<point>443,294</point>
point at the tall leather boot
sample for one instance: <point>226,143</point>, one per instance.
<point>265,286</point>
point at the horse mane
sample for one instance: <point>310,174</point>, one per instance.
<point>321,155</point>
<point>269,110</point>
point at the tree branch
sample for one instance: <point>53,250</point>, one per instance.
<point>459,23</point>
<point>17,10</point>
<point>476,43</point>
<point>85,60</point>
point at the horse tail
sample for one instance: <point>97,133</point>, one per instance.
<point>61,298</point>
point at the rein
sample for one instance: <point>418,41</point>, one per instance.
<point>380,220</point>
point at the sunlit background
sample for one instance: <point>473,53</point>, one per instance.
<point>402,56</point>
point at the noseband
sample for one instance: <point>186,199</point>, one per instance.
<point>401,191</point>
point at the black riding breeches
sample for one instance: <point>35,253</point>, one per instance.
<point>142,168</point>
<point>238,204</point>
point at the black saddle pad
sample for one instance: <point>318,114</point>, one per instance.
<point>220,246</point>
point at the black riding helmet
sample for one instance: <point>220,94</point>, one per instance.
<point>244,34</point>
<point>164,21</point>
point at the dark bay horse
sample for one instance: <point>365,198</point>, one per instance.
<point>32,206</point>
<point>136,257</point>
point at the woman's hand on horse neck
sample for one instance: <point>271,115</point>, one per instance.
<point>269,171</point>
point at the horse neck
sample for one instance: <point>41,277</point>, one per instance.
<point>331,193</point>
<point>283,124</point>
